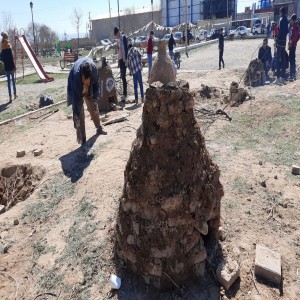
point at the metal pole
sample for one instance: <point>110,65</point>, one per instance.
<point>119,15</point>
<point>152,12</point>
<point>186,27</point>
<point>34,41</point>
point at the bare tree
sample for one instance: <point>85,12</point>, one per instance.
<point>76,19</point>
<point>8,25</point>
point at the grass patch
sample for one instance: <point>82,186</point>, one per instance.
<point>33,78</point>
<point>52,193</point>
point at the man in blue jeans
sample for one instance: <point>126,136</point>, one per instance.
<point>9,65</point>
<point>283,30</point>
<point>135,67</point>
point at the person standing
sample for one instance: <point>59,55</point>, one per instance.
<point>9,65</point>
<point>171,45</point>
<point>293,40</point>
<point>122,58</point>
<point>135,67</point>
<point>221,48</point>
<point>265,56</point>
<point>283,30</point>
<point>149,52</point>
<point>83,86</point>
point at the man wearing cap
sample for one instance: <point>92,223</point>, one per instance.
<point>283,30</point>
<point>293,40</point>
<point>122,58</point>
<point>150,51</point>
<point>9,65</point>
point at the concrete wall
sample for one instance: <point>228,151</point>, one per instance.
<point>103,28</point>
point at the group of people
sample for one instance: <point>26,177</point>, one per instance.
<point>281,60</point>
<point>9,65</point>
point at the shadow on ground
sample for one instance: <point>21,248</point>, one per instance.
<point>4,106</point>
<point>75,162</point>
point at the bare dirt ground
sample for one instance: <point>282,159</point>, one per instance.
<point>64,242</point>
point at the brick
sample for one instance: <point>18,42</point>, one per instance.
<point>21,153</point>
<point>38,152</point>
<point>268,264</point>
<point>227,272</point>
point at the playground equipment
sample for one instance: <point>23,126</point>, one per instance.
<point>32,57</point>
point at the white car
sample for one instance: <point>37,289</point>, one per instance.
<point>241,30</point>
<point>105,42</point>
<point>166,37</point>
<point>201,36</point>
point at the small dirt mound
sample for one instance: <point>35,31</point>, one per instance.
<point>17,183</point>
<point>255,74</point>
<point>208,92</point>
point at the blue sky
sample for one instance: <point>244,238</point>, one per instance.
<point>56,13</point>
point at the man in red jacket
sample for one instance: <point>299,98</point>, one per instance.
<point>293,40</point>
<point>149,52</point>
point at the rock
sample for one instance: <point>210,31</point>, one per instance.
<point>16,222</point>
<point>2,209</point>
<point>268,264</point>
<point>260,163</point>
<point>221,234</point>
<point>263,184</point>
<point>275,177</point>
<point>38,152</point>
<point>227,272</point>
<point>5,249</point>
<point>69,117</point>
<point>295,170</point>
<point>21,153</point>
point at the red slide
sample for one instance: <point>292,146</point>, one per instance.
<point>34,60</point>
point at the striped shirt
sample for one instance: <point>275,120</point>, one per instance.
<point>134,60</point>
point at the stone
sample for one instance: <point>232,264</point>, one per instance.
<point>221,234</point>
<point>16,222</point>
<point>38,152</point>
<point>21,153</point>
<point>227,272</point>
<point>2,209</point>
<point>295,170</point>
<point>268,264</point>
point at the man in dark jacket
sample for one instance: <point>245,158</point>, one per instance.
<point>9,65</point>
<point>171,44</point>
<point>221,48</point>
<point>122,57</point>
<point>150,51</point>
<point>293,40</point>
<point>83,86</point>
<point>265,56</point>
<point>283,30</point>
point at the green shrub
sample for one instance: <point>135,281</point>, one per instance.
<point>1,68</point>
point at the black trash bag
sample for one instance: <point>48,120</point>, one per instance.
<point>45,101</point>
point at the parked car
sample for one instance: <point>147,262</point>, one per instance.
<point>213,34</point>
<point>201,36</point>
<point>177,36</point>
<point>241,30</point>
<point>258,29</point>
<point>105,42</point>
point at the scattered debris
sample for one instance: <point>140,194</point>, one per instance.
<point>295,170</point>
<point>16,222</point>
<point>5,249</point>
<point>32,107</point>
<point>260,163</point>
<point>221,234</point>
<point>115,281</point>
<point>209,92</point>
<point>47,115</point>
<point>21,153</point>
<point>268,264</point>
<point>255,74</point>
<point>116,120</point>
<point>227,272</point>
<point>37,152</point>
<point>45,101</point>
<point>263,183</point>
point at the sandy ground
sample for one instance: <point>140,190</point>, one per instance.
<point>64,241</point>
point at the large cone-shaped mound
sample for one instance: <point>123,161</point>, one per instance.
<point>172,193</point>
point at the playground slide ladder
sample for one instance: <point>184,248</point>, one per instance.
<point>34,60</point>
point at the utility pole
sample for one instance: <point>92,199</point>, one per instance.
<point>186,27</point>
<point>119,15</point>
<point>152,12</point>
<point>34,40</point>
<point>227,15</point>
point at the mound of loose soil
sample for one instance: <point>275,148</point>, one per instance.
<point>172,193</point>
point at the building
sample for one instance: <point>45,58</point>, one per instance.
<point>175,12</point>
<point>101,27</point>
<point>292,7</point>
